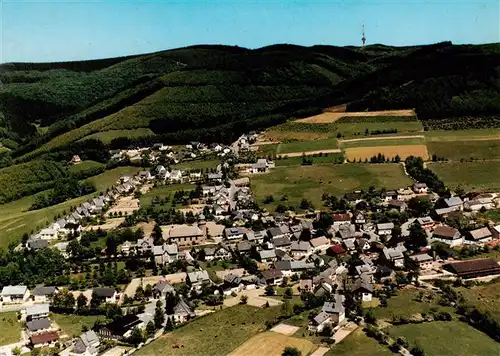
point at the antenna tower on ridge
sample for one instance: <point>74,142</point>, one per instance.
<point>363,39</point>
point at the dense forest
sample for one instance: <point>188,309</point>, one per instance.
<point>214,93</point>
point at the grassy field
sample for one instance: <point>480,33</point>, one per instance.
<point>477,149</point>
<point>10,328</point>
<point>84,166</point>
<point>109,178</point>
<point>461,135</point>
<point>162,192</point>
<point>473,176</point>
<point>268,149</point>
<point>405,305</point>
<point>310,182</point>
<point>484,297</point>
<point>371,142</point>
<point>215,334</point>
<point>108,136</point>
<point>197,164</point>
<point>272,344</point>
<point>297,161</point>
<point>72,324</point>
<point>16,219</point>
<point>358,344</point>
<point>447,338</point>
<point>359,128</point>
<point>304,146</point>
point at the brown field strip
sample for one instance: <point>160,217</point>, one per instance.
<point>310,153</point>
<point>328,117</point>
<point>388,151</point>
<point>272,344</point>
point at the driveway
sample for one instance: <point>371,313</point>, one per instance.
<point>344,331</point>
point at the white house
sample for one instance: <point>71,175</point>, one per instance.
<point>44,294</point>
<point>48,234</point>
<point>234,233</point>
<point>478,236</point>
<point>420,188</point>
<point>15,294</point>
<point>37,311</point>
<point>478,204</point>
<point>385,228</point>
<point>447,235</point>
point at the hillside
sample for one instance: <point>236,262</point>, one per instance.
<point>217,92</point>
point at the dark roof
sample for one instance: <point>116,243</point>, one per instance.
<point>38,244</point>
<point>44,290</point>
<point>38,324</point>
<point>104,292</point>
<point>282,241</point>
<point>479,266</point>
<point>445,231</point>
<point>272,273</point>
<point>43,338</point>
<point>123,324</point>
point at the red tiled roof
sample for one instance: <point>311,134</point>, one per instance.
<point>337,249</point>
<point>341,217</point>
<point>43,338</point>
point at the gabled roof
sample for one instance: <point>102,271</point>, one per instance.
<point>385,226</point>
<point>164,286</point>
<point>44,290</point>
<point>446,232</point>
<point>122,324</point>
<point>182,308</point>
<point>341,217</point>
<point>43,338</point>
<point>302,246</point>
<point>282,241</point>
<point>14,290</point>
<point>319,241</point>
<point>481,233</point>
<point>337,249</point>
<point>198,276</point>
<point>453,201</point>
<point>265,254</point>
<point>104,292</point>
<point>244,246</point>
<point>321,318</point>
<point>38,324</point>
<point>272,273</point>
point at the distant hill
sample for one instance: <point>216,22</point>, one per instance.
<point>217,92</point>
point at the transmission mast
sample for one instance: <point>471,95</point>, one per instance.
<point>363,39</point>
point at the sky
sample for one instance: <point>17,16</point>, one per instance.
<point>53,30</point>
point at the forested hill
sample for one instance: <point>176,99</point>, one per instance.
<point>216,92</point>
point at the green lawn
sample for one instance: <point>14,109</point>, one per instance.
<point>197,164</point>
<point>383,142</point>
<point>358,344</point>
<point>72,324</point>
<point>472,176</point>
<point>454,338</point>
<point>214,334</point>
<point>455,151</point>
<point>491,215</point>
<point>310,182</point>
<point>108,136</point>
<point>164,191</point>
<point>405,305</point>
<point>268,149</point>
<point>10,328</point>
<point>304,146</point>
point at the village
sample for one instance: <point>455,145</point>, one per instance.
<point>220,249</point>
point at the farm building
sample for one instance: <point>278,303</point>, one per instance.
<point>474,268</point>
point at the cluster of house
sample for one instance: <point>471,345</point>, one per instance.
<point>192,150</point>
<point>40,329</point>
<point>261,166</point>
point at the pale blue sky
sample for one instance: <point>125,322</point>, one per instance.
<point>72,30</point>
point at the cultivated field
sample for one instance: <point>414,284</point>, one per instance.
<point>388,151</point>
<point>272,344</point>
<point>295,147</point>
<point>462,135</point>
<point>328,117</point>
<point>475,176</point>
<point>110,224</point>
<point>310,182</point>
<point>447,338</point>
<point>462,149</point>
<point>124,205</point>
<point>218,333</point>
